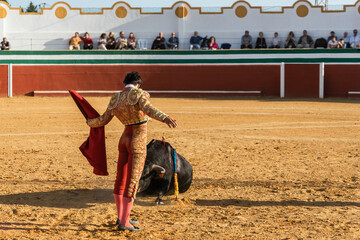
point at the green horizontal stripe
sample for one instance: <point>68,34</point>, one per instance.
<point>183,61</point>
<point>179,52</point>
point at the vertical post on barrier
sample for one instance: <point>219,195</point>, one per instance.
<point>282,80</point>
<point>10,91</point>
<point>321,80</point>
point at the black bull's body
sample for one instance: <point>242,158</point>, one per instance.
<point>158,173</point>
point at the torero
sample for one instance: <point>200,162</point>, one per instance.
<point>133,108</point>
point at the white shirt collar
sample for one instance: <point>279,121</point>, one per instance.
<point>130,86</point>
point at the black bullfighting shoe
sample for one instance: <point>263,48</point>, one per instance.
<point>123,228</point>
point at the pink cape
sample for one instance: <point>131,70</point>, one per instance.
<point>94,147</point>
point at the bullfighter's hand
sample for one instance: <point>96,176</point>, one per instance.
<point>171,122</point>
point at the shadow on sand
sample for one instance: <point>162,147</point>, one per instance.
<point>85,198</point>
<point>294,203</point>
<point>78,198</point>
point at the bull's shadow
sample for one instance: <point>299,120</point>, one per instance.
<point>295,203</point>
<point>78,198</point>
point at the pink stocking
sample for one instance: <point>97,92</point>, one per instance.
<point>118,202</point>
<point>127,205</point>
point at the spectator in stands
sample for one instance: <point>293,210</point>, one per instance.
<point>74,42</point>
<point>173,42</point>
<point>275,41</point>
<point>195,41</point>
<point>354,39</point>
<point>290,41</point>
<point>121,42</point>
<point>5,44</point>
<point>321,43</point>
<point>159,42</point>
<point>333,43</point>
<point>110,41</point>
<point>102,42</point>
<point>88,42</point>
<point>212,45</point>
<point>332,34</point>
<point>246,40</point>
<point>305,41</point>
<point>131,41</point>
<point>261,41</point>
<point>346,40</point>
<point>341,43</point>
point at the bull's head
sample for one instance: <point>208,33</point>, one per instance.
<point>148,173</point>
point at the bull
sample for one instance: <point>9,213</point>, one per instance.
<point>158,173</point>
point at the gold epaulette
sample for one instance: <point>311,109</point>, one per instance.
<point>114,101</point>
<point>135,94</point>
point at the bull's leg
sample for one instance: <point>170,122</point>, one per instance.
<point>164,187</point>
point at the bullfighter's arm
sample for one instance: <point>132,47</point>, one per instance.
<point>149,109</point>
<point>107,115</point>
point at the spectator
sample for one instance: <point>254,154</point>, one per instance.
<point>212,44</point>
<point>275,41</point>
<point>354,39</point>
<point>159,42</point>
<point>121,42</point>
<point>195,41</point>
<point>346,40</point>
<point>74,42</point>
<point>131,41</point>
<point>290,41</point>
<point>246,40</point>
<point>5,44</point>
<point>260,41</point>
<point>332,34</point>
<point>173,42</point>
<point>110,41</point>
<point>321,43</point>
<point>305,41</point>
<point>102,42</point>
<point>88,42</point>
<point>333,43</point>
<point>341,43</point>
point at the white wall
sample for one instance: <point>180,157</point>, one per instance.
<point>46,31</point>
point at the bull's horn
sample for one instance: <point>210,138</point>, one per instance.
<point>158,169</point>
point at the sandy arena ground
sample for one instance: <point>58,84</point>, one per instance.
<point>263,169</point>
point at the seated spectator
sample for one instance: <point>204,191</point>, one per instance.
<point>341,43</point>
<point>290,41</point>
<point>195,41</point>
<point>205,43</point>
<point>346,40</point>
<point>173,42</point>
<point>121,42</point>
<point>88,42</point>
<point>110,41</point>
<point>275,41</point>
<point>131,41</point>
<point>260,41</point>
<point>354,39</point>
<point>74,42</point>
<point>321,43</point>
<point>332,34</point>
<point>246,40</point>
<point>5,44</point>
<point>212,45</point>
<point>333,43</point>
<point>159,42</point>
<point>305,41</point>
<point>102,42</point>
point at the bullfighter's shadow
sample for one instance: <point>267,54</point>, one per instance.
<point>78,198</point>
